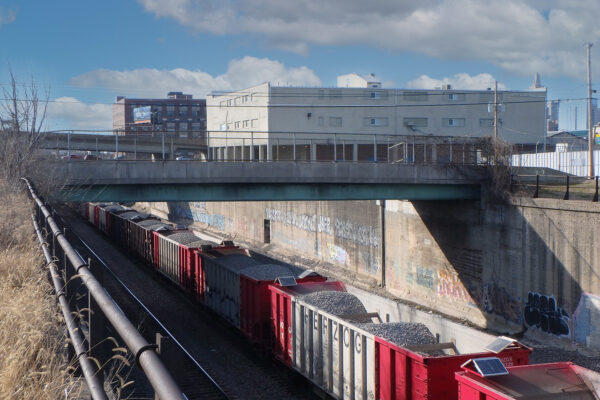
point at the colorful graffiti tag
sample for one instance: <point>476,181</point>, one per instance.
<point>497,300</point>
<point>450,286</point>
<point>541,311</point>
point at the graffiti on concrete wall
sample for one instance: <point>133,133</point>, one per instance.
<point>197,212</point>
<point>497,300</point>
<point>370,265</point>
<point>340,228</point>
<point>541,311</point>
<point>450,286</point>
<point>586,320</point>
<point>425,277</point>
<point>337,253</point>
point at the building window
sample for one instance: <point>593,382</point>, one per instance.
<point>376,121</point>
<point>171,126</point>
<point>170,110</point>
<point>335,121</point>
<point>320,121</point>
<point>456,96</point>
<point>415,96</point>
<point>486,122</point>
<point>183,110</point>
<point>377,94</point>
<point>229,103</point>
<point>223,127</point>
<point>195,111</point>
<point>453,122</point>
<point>237,125</point>
<point>246,123</point>
<point>415,122</point>
<point>183,126</point>
<point>246,98</point>
<point>254,123</point>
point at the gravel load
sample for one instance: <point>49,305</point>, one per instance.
<point>266,272</point>
<point>184,237</point>
<point>401,333</point>
<point>149,222</point>
<point>199,243</point>
<point>160,226</point>
<point>129,214</point>
<point>236,262</point>
<point>336,303</point>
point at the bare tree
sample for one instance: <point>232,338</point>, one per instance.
<point>499,155</point>
<point>22,116</point>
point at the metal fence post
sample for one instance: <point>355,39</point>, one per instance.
<point>252,156</point>
<point>294,140</point>
<point>117,145</point>
<point>595,198</point>
<point>334,147</point>
<point>374,148</point>
<point>173,358</point>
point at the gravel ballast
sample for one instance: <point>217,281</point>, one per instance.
<point>401,333</point>
<point>336,303</point>
<point>266,272</point>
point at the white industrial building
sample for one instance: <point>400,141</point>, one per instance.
<point>360,118</point>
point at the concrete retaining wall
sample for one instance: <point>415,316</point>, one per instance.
<point>530,264</point>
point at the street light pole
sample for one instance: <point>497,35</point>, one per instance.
<point>590,113</point>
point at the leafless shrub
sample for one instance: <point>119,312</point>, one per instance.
<point>22,117</point>
<point>498,154</point>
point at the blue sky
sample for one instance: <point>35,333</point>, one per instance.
<point>89,52</point>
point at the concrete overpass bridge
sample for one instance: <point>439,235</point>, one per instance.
<point>253,181</point>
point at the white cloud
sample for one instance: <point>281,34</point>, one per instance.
<point>242,73</point>
<point>521,36</point>
<point>70,113</point>
<point>7,17</point>
<point>458,81</point>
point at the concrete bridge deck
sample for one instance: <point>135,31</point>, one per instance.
<point>249,181</point>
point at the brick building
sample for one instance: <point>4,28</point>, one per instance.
<point>178,115</point>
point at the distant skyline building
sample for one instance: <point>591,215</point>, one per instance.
<point>177,115</point>
<point>552,112</point>
<point>572,114</point>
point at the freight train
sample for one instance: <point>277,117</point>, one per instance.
<point>309,323</point>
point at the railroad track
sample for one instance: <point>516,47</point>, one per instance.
<point>219,363</point>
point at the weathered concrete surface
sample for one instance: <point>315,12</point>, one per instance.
<point>149,172</point>
<point>531,264</point>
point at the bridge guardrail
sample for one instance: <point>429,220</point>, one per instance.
<point>276,146</point>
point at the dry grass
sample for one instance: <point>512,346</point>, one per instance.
<point>32,343</point>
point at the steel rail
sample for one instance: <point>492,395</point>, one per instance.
<point>87,367</point>
<point>159,377</point>
<point>153,317</point>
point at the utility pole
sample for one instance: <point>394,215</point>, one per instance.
<point>495,110</point>
<point>590,113</point>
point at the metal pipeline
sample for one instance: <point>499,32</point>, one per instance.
<point>87,367</point>
<point>158,376</point>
